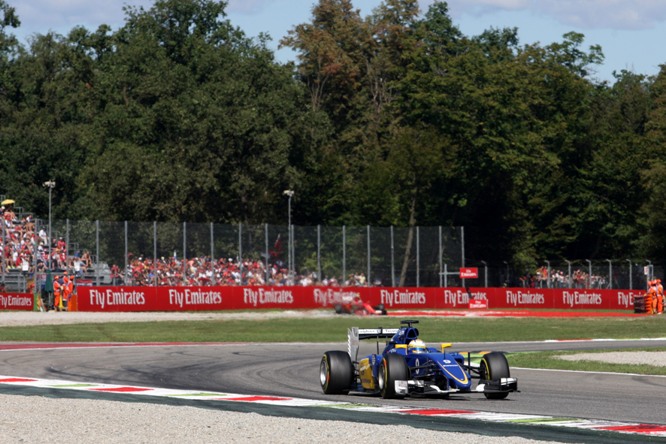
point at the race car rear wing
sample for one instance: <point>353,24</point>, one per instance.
<point>355,335</point>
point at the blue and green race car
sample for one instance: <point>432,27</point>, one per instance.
<point>408,367</point>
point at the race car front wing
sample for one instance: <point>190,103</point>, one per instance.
<point>503,385</point>
<point>421,387</point>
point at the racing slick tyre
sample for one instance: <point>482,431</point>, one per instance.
<point>336,373</point>
<point>393,368</point>
<point>338,309</point>
<point>494,366</point>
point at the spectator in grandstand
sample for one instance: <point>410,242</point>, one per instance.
<point>9,216</point>
<point>43,237</point>
<point>116,279</point>
<point>77,265</point>
<point>61,244</point>
<point>85,258</point>
<point>25,264</point>
<point>29,223</point>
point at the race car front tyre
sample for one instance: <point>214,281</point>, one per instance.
<point>336,373</point>
<point>393,368</point>
<point>494,366</point>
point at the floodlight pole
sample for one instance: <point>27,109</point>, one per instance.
<point>50,184</point>
<point>631,286</point>
<point>290,265</point>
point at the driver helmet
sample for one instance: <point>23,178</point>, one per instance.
<point>417,346</point>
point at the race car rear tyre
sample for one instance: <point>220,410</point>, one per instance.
<point>393,368</point>
<point>494,366</point>
<point>336,373</point>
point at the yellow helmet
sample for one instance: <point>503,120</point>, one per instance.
<point>417,346</point>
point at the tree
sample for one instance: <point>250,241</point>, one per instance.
<point>47,131</point>
<point>333,54</point>
<point>653,173</point>
<point>200,116</point>
<point>8,89</point>
<point>612,184</point>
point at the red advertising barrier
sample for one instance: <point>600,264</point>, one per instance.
<point>243,298</point>
<point>17,301</point>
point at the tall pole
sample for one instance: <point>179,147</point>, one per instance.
<point>570,283</point>
<point>485,274</point>
<point>50,184</point>
<point>631,284</point>
<point>290,265</point>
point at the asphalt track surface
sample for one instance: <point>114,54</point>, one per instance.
<point>293,370</point>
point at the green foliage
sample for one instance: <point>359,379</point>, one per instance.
<point>397,119</point>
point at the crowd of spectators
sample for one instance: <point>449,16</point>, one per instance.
<point>26,249</point>
<point>559,279</point>
<point>173,271</point>
<point>203,271</point>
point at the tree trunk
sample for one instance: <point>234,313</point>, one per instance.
<point>410,241</point>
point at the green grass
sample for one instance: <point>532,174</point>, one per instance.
<point>335,330</point>
<point>549,360</point>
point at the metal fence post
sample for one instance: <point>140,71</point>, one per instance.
<point>319,277</point>
<point>392,258</point>
<point>184,253</point>
<point>367,279</point>
<point>610,273</point>
<point>344,255</point>
<point>97,252</point>
<point>240,251</point>
<point>462,247</point>
<point>485,274</point>
<point>418,257</point>
<point>440,254</point>
<point>154,251</point>
<point>631,285</point>
<point>293,253</point>
<point>67,245</point>
<point>266,275</point>
<point>648,276</point>
<point>589,273</point>
<point>570,283</point>
<point>212,253</point>
<point>4,267</point>
<point>35,252</point>
<point>126,252</point>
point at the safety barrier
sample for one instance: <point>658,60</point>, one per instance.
<point>128,299</point>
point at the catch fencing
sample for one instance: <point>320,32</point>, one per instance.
<point>578,274</point>
<point>177,254</point>
<point>140,253</point>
